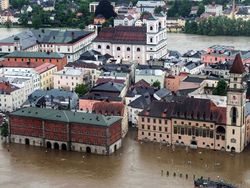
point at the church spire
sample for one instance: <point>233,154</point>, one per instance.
<point>237,67</point>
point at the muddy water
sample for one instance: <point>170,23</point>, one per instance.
<point>135,165</point>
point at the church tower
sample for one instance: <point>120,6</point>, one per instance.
<point>236,103</point>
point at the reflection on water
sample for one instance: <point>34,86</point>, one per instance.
<point>135,165</point>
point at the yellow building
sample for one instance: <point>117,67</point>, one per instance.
<point>46,71</point>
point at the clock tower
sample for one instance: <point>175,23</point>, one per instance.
<point>236,102</point>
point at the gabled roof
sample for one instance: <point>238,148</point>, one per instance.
<point>237,67</point>
<point>67,116</point>
<point>107,108</point>
<point>187,108</point>
<point>25,54</point>
<point>108,87</point>
<point>141,102</point>
<point>122,35</point>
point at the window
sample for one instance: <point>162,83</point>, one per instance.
<point>234,114</point>
<point>166,129</point>
<point>118,48</point>
<point>99,47</point>
<point>138,49</point>
<point>235,79</point>
<point>148,127</point>
<point>233,131</point>
<point>148,120</point>
<point>151,39</point>
<point>235,86</point>
<point>159,128</point>
<point>151,28</point>
<point>142,119</point>
<point>142,133</point>
<point>160,121</point>
<point>128,49</point>
<point>142,126</point>
<point>154,127</point>
<point>179,137</point>
<point>107,47</point>
<point>154,120</point>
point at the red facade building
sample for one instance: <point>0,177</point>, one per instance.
<point>34,59</point>
<point>66,130</point>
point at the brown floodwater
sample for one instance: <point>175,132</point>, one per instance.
<point>135,165</point>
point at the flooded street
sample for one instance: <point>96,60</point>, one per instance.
<point>135,165</point>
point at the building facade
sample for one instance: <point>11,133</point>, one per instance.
<point>33,59</point>
<point>66,130</point>
<point>70,77</point>
<point>134,43</point>
<point>201,123</point>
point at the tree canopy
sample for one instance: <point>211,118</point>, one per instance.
<point>4,129</point>
<point>219,25</point>
<point>180,8</point>
<point>105,9</point>
<point>156,84</point>
<point>221,88</point>
<point>81,89</point>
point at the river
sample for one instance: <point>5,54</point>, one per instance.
<point>135,164</point>
<point>178,41</point>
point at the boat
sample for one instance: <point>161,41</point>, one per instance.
<point>201,182</point>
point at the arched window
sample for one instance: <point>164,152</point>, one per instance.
<point>234,114</point>
<point>128,49</point>
<point>118,48</point>
<point>99,47</point>
<point>151,28</point>
<point>108,47</point>
<point>138,49</point>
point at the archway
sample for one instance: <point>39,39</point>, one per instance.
<point>27,141</point>
<point>48,145</point>
<point>64,147</point>
<point>232,149</point>
<point>88,149</point>
<point>56,145</point>
<point>220,130</point>
<point>194,142</point>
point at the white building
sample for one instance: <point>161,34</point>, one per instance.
<point>71,43</point>
<point>9,16</point>
<point>135,43</point>
<point>214,9</point>
<point>149,6</point>
<point>70,77</point>
<point>23,73</point>
<point>150,76</point>
<point>14,92</point>
<point>125,20</point>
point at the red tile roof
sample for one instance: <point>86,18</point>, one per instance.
<point>7,88</point>
<point>106,108</point>
<point>187,108</point>
<point>122,35</point>
<point>237,67</point>
<point>44,67</point>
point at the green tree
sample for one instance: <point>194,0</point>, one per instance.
<point>81,89</point>
<point>158,10</point>
<point>201,9</point>
<point>5,129</point>
<point>221,88</point>
<point>156,84</point>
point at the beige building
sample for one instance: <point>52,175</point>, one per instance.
<point>70,77</point>
<point>4,4</point>
<point>201,123</point>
